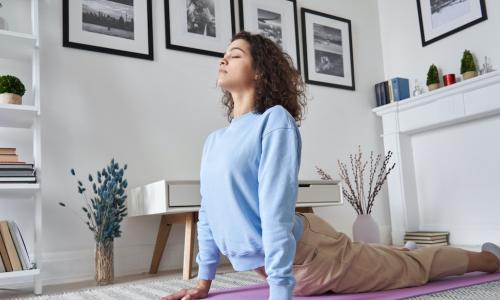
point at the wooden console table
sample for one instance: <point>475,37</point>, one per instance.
<point>189,219</point>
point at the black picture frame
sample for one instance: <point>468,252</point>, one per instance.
<point>327,78</point>
<point>69,42</point>
<point>292,52</point>
<point>428,37</point>
<point>191,48</point>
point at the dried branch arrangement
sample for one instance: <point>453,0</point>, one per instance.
<point>354,183</point>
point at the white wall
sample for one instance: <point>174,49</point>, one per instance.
<point>457,182</point>
<point>155,115</point>
<point>404,56</point>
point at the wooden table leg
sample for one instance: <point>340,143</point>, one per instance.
<point>188,246</point>
<point>161,241</point>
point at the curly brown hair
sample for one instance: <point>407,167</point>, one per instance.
<point>279,81</point>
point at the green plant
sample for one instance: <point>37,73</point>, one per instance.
<point>106,208</point>
<point>11,84</point>
<point>467,64</point>
<point>432,75</point>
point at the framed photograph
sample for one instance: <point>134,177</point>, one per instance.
<point>276,20</point>
<point>327,46</point>
<point>122,27</point>
<point>441,18</point>
<point>199,26</point>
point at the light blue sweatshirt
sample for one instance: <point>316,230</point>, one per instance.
<point>249,183</point>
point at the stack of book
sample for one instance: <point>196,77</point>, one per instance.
<point>428,238</point>
<point>13,253</point>
<point>14,171</point>
<point>395,89</point>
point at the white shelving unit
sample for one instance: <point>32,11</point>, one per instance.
<point>24,47</point>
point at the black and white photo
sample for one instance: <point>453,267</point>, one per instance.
<point>111,17</point>
<point>206,27</point>
<point>122,27</point>
<point>276,20</point>
<point>201,17</point>
<point>441,18</point>
<point>327,44</point>
<point>328,50</point>
<point>270,25</point>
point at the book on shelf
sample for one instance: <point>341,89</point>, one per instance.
<point>426,242</point>
<point>392,90</point>
<point>11,248</point>
<point>21,179</point>
<point>427,233</point>
<point>22,251</point>
<point>7,150</point>
<point>5,256</point>
<point>17,173</point>
<point>13,251</point>
<point>16,166</point>
<point>9,158</point>
<point>431,245</point>
<point>424,238</point>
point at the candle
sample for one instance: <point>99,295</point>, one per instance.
<point>448,79</point>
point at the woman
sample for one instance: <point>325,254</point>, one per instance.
<point>249,183</point>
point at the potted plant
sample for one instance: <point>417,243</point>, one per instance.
<point>104,210</point>
<point>11,90</point>
<point>432,78</point>
<point>365,228</point>
<point>467,66</point>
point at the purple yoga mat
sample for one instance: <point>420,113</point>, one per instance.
<point>261,291</point>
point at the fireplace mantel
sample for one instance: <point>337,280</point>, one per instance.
<point>465,101</point>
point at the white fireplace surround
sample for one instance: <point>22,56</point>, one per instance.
<point>443,111</point>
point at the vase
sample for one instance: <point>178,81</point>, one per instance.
<point>365,229</point>
<point>469,74</point>
<point>104,268</point>
<point>9,98</point>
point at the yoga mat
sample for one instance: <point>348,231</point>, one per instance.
<point>261,291</point>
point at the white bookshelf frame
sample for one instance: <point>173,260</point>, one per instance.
<point>25,47</point>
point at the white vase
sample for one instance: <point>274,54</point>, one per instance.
<point>365,229</point>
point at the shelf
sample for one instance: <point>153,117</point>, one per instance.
<point>16,45</point>
<point>19,274</point>
<point>17,116</point>
<point>18,189</point>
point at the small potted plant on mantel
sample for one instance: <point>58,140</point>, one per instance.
<point>11,90</point>
<point>467,66</point>
<point>432,78</point>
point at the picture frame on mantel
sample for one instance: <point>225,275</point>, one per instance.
<point>276,20</point>
<point>441,18</point>
<point>121,27</point>
<point>327,46</point>
<point>199,26</point>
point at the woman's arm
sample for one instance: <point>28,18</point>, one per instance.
<point>278,187</point>
<point>208,256</point>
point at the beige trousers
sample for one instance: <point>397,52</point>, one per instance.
<point>327,260</point>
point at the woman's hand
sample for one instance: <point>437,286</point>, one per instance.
<point>199,292</point>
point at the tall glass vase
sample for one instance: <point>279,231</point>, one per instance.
<point>104,267</point>
<point>365,229</point>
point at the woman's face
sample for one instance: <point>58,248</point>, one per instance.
<point>235,68</point>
